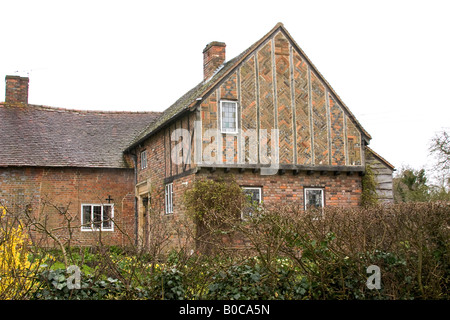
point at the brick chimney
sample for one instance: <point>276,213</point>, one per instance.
<point>213,58</point>
<point>16,90</point>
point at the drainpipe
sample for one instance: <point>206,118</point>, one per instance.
<point>136,216</point>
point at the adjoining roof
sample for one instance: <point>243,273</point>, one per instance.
<point>32,135</point>
<point>196,94</point>
<point>380,158</point>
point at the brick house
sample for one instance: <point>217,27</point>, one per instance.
<point>60,163</point>
<point>267,117</point>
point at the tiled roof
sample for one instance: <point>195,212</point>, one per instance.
<point>189,99</point>
<point>380,158</point>
<point>32,135</point>
<point>179,106</point>
<point>199,91</point>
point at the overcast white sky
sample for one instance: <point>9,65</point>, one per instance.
<point>389,61</point>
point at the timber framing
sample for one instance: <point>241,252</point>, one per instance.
<point>282,168</point>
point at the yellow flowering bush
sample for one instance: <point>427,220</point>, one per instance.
<point>17,273</point>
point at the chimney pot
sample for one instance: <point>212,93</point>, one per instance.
<point>16,90</point>
<point>213,58</point>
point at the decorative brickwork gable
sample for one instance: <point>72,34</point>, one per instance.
<point>228,90</point>
<point>279,89</point>
<point>262,49</point>
<point>319,116</point>
<point>284,114</point>
<point>353,144</point>
<point>302,110</point>
<point>337,133</point>
<point>249,111</point>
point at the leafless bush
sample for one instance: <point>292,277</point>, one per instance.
<point>409,242</point>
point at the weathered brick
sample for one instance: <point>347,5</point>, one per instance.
<point>42,190</point>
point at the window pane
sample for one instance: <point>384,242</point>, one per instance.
<point>107,215</point>
<point>314,199</point>
<point>169,198</point>
<point>254,198</point>
<point>253,195</point>
<point>143,159</point>
<point>97,213</point>
<point>86,217</point>
<point>229,115</point>
<point>165,198</point>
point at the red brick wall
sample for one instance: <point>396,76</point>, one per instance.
<point>213,57</point>
<point>277,191</point>
<point>47,191</point>
<point>288,189</point>
<point>160,164</point>
<point>161,170</point>
<point>181,227</point>
<point>16,89</point>
<point>155,171</point>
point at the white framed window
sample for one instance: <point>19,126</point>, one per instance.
<point>169,198</point>
<point>143,159</point>
<point>228,116</point>
<point>95,217</point>
<point>314,198</point>
<point>254,195</point>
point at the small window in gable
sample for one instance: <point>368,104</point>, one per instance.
<point>229,116</point>
<point>143,159</point>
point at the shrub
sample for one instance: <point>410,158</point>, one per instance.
<point>168,284</point>
<point>292,254</point>
<point>409,242</point>
<point>212,203</point>
<point>16,271</point>
<point>253,280</point>
<point>369,195</point>
<point>54,286</point>
<point>214,207</point>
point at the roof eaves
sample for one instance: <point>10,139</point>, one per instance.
<point>145,135</point>
<point>380,158</point>
<point>80,111</point>
<point>46,165</point>
<point>166,116</point>
<point>41,125</point>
